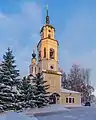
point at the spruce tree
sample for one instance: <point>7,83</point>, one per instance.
<point>41,93</point>
<point>8,83</point>
<point>27,94</point>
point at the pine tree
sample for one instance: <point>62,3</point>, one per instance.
<point>41,93</point>
<point>8,83</point>
<point>27,94</point>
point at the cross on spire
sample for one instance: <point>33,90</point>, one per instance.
<point>47,16</point>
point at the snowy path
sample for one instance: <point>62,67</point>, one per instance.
<point>74,114</point>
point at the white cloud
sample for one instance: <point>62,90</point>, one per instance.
<point>20,32</point>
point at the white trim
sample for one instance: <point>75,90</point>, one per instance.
<point>69,97</point>
<point>43,70</point>
<point>59,73</point>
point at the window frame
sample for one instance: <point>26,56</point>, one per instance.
<point>44,52</point>
<point>70,100</point>
<point>66,100</point>
<point>52,50</point>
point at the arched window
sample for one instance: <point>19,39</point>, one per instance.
<point>32,70</point>
<point>73,100</point>
<point>70,100</point>
<point>52,53</point>
<point>44,52</point>
<point>39,55</point>
<point>66,100</point>
<point>49,36</point>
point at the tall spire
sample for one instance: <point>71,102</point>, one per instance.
<point>47,16</point>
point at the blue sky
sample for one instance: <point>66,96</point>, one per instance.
<point>75,23</point>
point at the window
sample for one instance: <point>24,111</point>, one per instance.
<point>32,69</point>
<point>52,53</point>
<point>66,100</point>
<point>51,67</point>
<point>39,55</point>
<point>44,52</point>
<point>49,36</point>
<point>70,100</point>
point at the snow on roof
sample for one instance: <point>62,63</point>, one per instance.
<point>68,91</point>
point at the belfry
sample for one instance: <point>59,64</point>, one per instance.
<point>47,49</point>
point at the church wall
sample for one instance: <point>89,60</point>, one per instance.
<point>48,30</point>
<point>48,63</point>
<point>53,81</point>
<point>76,96</point>
<point>48,43</point>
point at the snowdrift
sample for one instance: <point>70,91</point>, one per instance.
<point>47,109</point>
<point>16,116</point>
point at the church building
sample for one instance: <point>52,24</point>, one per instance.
<point>47,63</point>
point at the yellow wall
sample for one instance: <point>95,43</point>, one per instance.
<point>76,96</point>
<point>46,30</point>
<point>48,43</point>
<point>54,81</point>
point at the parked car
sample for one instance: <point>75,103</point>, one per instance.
<point>87,104</point>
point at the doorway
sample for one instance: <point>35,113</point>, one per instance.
<point>54,98</point>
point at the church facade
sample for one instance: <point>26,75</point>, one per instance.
<point>47,49</point>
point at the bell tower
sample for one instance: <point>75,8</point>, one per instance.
<point>33,66</point>
<point>47,47</point>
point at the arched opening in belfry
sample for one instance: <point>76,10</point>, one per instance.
<point>49,36</point>
<point>52,53</point>
<point>44,52</point>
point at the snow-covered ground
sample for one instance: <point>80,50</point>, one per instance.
<point>54,112</point>
<point>48,109</point>
<point>16,116</point>
<point>83,113</point>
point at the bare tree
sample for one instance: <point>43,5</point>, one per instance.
<point>79,80</point>
<point>64,81</point>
